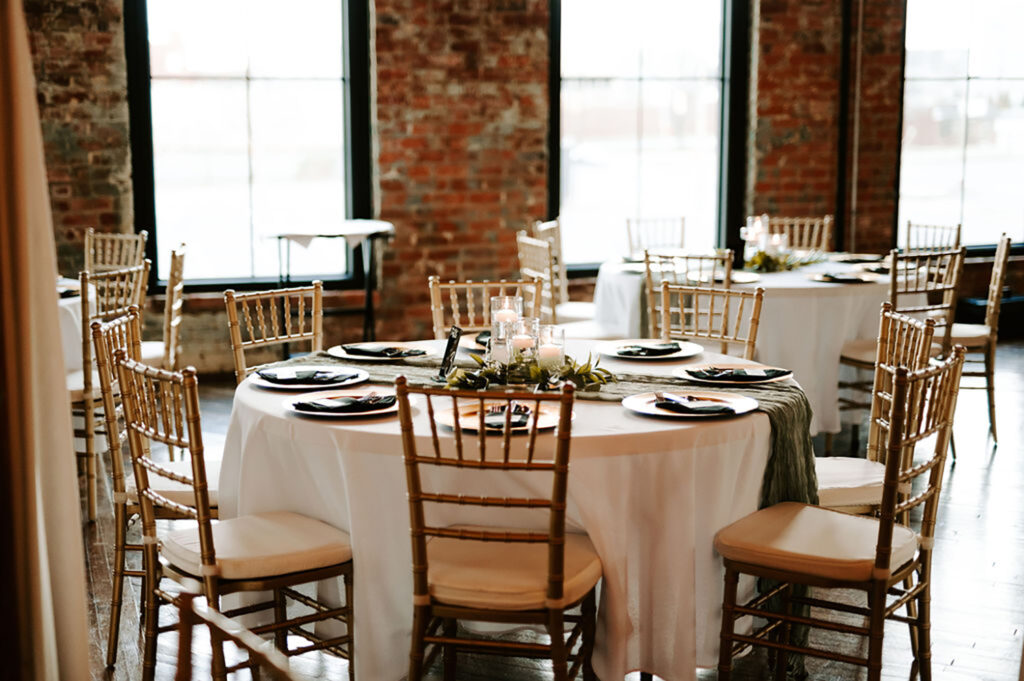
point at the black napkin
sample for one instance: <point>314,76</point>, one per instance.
<point>836,278</point>
<point>382,351</point>
<point>682,406</point>
<point>483,338</point>
<point>713,374</point>
<point>858,259</point>
<point>647,350</point>
<point>67,292</point>
<point>496,420</point>
<point>346,405</point>
<point>292,376</point>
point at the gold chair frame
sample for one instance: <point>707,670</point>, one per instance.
<point>174,302</point>
<point>536,261</point>
<point>644,234</point>
<point>434,622</point>
<point>923,237</point>
<point>469,302</point>
<point>105,251</point>
<point>808,233</point>
<point>268,320</point>
<point>551,231</point>
<point>712,314</point>
<point>683,270</point>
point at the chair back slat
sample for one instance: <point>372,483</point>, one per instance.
<point>650,233</point>
<point>173,308</point>
<point>105,252</point>
<point>713,270</point>
<point>806,233</point>
<point>551,231</point>
<point>925,284</point>
<point>995,286</point>
<point>452,452</point>
<point>469,302</point>
<point>537,262</point>
<point>711,314</point>
<point>922,237</point>
<point>271,318</point>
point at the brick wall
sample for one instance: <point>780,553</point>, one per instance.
<point>462,114</point>
<point>78,53</point>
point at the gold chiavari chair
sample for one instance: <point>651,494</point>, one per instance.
<point>493,572</point>
<point>698,313</point>
<point>272,318</point>
<point>262,655</point>
<point>649,233</point>
<point>164,352</point>
<point>981,338</point>
<point>852,484</point>
<point>921,237</point>
<point>713,270</point>
<point>537,261</point>
<point>469,302</point>
<point>799,544</point>
<point>122,333</point>
<point>105,296</point>
<point>105,252</point>
<point>551,231</point>
<point>802,233</point>
<point>274,551</point>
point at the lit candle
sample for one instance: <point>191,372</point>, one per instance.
<point>522,341</point>
<point>549,353</point>
<point>505,315</point>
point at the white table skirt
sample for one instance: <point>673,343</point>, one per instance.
<point>70,315</point>
<point>803,326</point>
<point>650,493</point>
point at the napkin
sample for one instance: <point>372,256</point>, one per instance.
<point>647,349</point>
<point>520,417</point>
<point>347,405</point>
<point>382,351</point>
<point>298,376</point>
<point>837,278</point>
<point>483,338</point>
<point>681,405</point>
<point>67,292</point>
<point>752,375</point>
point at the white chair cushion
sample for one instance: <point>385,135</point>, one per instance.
<point>152,352</point>
<point>261,545</point>
<point>844,481</point>
<point>970,335</point>
<point>176,491</point>
<point>76,385</point>
<point>507,576</point>
<point>862,350</point>
<point>574,311</point>
<point>812,540</point>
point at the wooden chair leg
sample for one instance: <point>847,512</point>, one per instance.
<point>781,656</point>
<point>559,655</point>
<point>349,629</point>
<point>450,630</point>
<point>732,579</point>
<point>990,387</point>
<point>419,624</point>
<point>876,629</point>
<point>89,414</point>
<point>117,587</point>
<point>152,616</point>
<point>828,444</point>
<point>589,611</point>
<point>924,637</point>
<point>280,615</point>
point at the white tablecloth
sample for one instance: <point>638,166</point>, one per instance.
<point>354,231</point>
<point>70,310</point>
<point>650,493</point>
<point>803,327</point>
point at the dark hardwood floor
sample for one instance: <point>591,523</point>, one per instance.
<point>978,571</point>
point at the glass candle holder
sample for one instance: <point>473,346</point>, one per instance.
<point>523,349</point>
<point>550,346</point>
<point>505,311</point>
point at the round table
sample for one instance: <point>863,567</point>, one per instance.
<point>70,315</point>
<point>649,492</point>
<point>803,327</point>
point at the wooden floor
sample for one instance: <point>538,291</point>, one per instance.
<point>978,580</point>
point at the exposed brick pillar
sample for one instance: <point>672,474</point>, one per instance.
<point>462,122</point>
<point>78,53</point>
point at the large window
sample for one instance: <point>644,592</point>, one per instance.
<point>963,120</point>
<point>248,111</point>
<point>641,112</point>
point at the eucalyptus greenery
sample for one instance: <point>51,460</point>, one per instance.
<point>764,262</point>
<point>586,376</point>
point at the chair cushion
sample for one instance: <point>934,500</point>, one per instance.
<point>261,545</point>
<point>76,385</point>
<point>176,491</point>
<point>846,481</point>
<point>815,541</point>
<point>970,335</point>
<point>153,352</point>
<point>861,350</point>
<point>507,576</point>
<point>574,311</point>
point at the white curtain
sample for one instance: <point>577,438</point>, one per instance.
<point>47,556</point>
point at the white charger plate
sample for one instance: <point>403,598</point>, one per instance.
<point>289,404</point>
<point>644,403</point>
<point>686,349</point>
<point>469,419</point>
<point>684,372</point>
<point>339,352</point>
<point>360,377</point>
<point>861,277</point>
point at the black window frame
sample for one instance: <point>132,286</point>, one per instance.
<point>733,148</point>
<point>358,154</point>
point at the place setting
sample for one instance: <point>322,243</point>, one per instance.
<point>649,349</point>
<point>343,404</point>
<point>844,277</point>
<point>307,377</point>
<point>688,404</point>
<point>732,374</point>
<point>495,415</point>
<point>380,352</point>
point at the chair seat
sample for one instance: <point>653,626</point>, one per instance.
<point>845,482</point>
<point>76,385</point>
<point>176,491</point>
<point>970,335</point>
<point>811,540</point>
<point>575,311</point>
<point>862,350</point>
<point>153,352</point>
<point>507,576</point>
<point>262,545</point>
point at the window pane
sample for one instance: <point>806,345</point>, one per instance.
<point>302,42</point>
<point>995,162</point>
<point>201,172</point>
<point>933,136</point>
<point>681,39</point>
<point>196,38</point>
<point>937,38</point>
<point>600,39</point>
<point>298,172</point>
<point>997,50</point>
